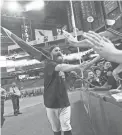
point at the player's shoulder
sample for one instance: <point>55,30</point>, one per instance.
<point>49,65</point>
<point>50,62</point>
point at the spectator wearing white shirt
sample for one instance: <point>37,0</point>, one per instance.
<point>15,94</point>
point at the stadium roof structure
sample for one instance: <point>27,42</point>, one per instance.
<point>54,11</point>
<point>52,15</point>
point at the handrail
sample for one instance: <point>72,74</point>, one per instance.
<point>106,97</point>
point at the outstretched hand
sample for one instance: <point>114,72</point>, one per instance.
<point>74,42</point>
<point>101,45</point>
<point>70,38</point>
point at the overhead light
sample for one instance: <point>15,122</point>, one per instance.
<point>13,6</point>
<point>36,5</point>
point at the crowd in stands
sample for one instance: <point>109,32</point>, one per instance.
<point>101,76</point>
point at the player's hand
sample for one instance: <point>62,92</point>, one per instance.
<point>74,42</point>
<point>70,38</point>
<point>101,45</point>
<point>83,64</point>
<point>116,72</point>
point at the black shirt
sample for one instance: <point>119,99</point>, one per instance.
<point>101,80</point>
<point>94,83</point>
<point>55,90</point>
<point>111,81</point>
<point>104,76</point>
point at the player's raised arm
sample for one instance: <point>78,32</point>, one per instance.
<point>84,43</point>
<point>104,47</point>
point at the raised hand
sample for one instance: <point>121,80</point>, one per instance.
<point>100,44</point>
<point>69,37</point>
<point>74,42</point>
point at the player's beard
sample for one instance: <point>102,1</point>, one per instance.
<point>58,58</point>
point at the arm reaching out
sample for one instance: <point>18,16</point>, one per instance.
<point>82,66</point>
<point>104,47</point>
<point>72,57</point>
<point>68,67</point>
<point>74,42</point>
<point>116,71</point>
<point>89,64</point>
<point>84,43</point>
